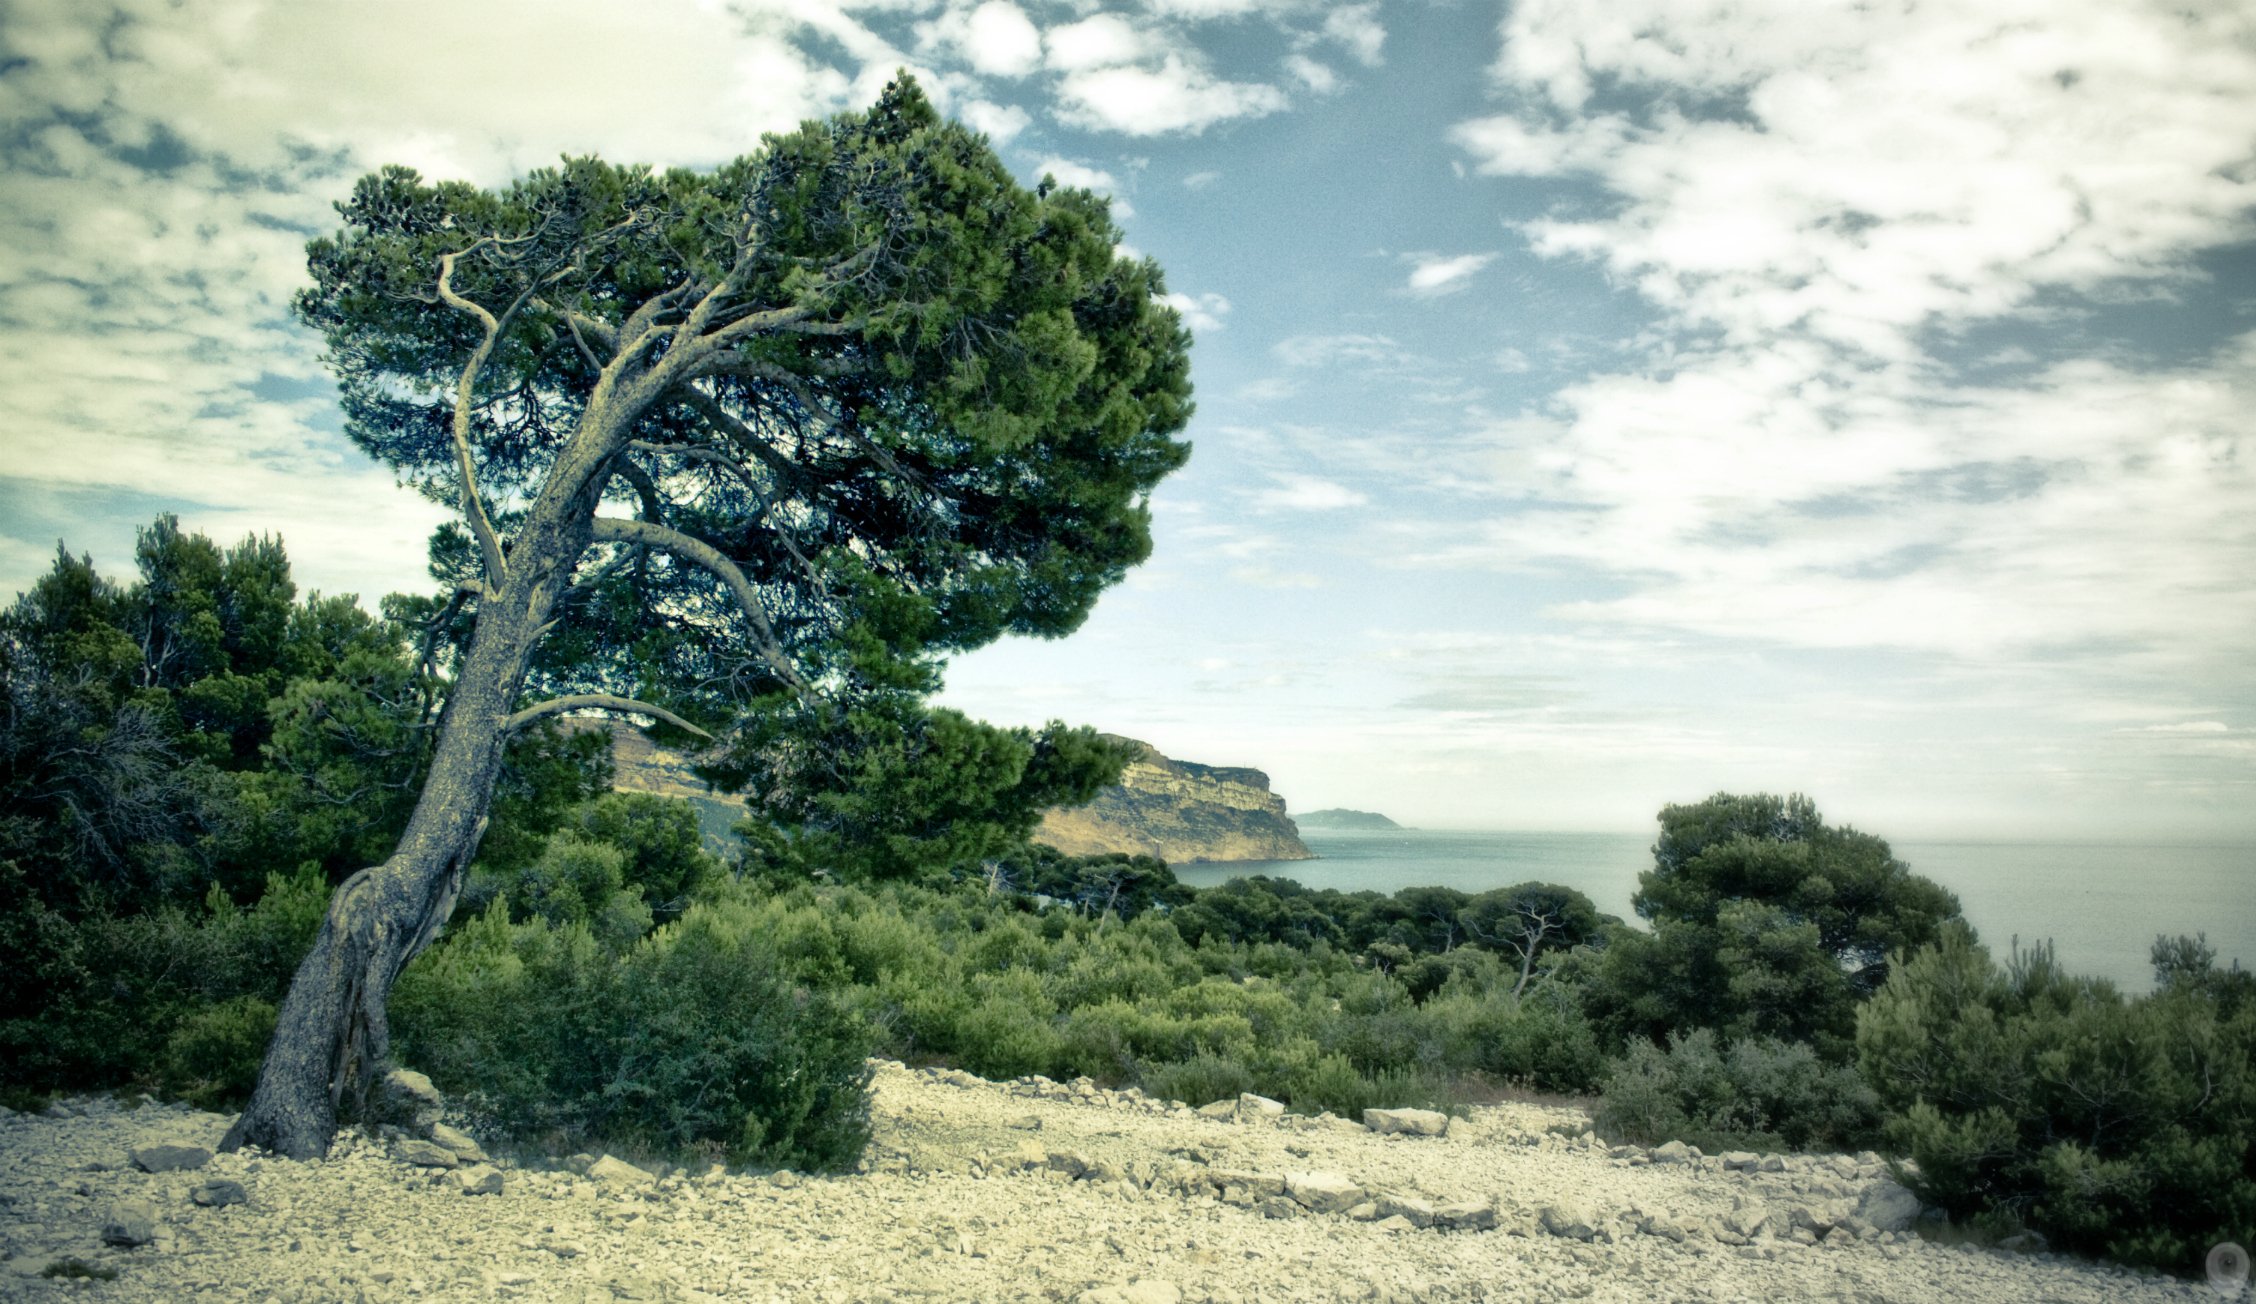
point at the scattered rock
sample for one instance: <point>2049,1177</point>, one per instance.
<point>169,1157</point>
<point>1025,1123</point>
<point>407,1099</point>
<point>129,1223</point>
<point>608,1171</point>
<point>1149,1290</point>
<point>479,1179</point>
<point>1220,1109</point>
<point>1406,1122</point>
<point>1672,1152</point>
<point>782,1179</point>
<point>220,1193</point>
<point>424,1154</point>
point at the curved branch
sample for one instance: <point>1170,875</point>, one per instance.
<point>597,702</point>
<point>473,507</point>
<point>697,552</point>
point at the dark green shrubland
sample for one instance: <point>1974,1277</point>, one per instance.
<point>2030,1097</point>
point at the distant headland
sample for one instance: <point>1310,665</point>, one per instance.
<point>1339,818</point>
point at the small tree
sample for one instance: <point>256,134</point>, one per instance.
<point>791,429</point>
<point>1766,922</point>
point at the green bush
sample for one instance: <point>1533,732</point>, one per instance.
<point>2026,1096</point>
<point>212,1059</point>
<point>695,1041</point>
<point>1200,1080</point>
<point>1755,1095</point>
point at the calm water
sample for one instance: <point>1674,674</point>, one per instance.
<point>2101,905</point>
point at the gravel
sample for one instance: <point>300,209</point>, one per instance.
<point>1110,1196</point>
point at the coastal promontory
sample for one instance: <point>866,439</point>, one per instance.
<point>1180,811</point>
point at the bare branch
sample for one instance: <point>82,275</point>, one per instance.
<point>473,508</point>
<point>702,554</point>
<point>597,702</point>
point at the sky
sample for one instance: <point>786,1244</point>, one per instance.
<point>1599,405</point>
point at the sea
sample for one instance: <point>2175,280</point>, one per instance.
<point>2100,905</point>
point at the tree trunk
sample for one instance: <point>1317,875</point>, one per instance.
<point>332,1039</point>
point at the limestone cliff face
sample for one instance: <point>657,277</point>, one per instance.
<point>1180,812</point>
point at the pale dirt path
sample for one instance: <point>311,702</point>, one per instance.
<point>946,1213</point>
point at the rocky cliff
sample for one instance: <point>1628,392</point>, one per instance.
<point>1180,812</point>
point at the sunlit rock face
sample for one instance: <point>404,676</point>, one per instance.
<point>1181,812</point>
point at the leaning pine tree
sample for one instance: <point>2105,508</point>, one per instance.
<point>773,434</point>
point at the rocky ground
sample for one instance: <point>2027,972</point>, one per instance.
<point>994,1191</point>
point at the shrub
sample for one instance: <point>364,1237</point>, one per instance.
<point>212,1059</point>
<point>2028,1096</point>
<point>1756,1094</point>
<point>694,1041</point>
<point>1200,1080</point>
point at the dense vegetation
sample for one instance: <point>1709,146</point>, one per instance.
<point>192,760</point>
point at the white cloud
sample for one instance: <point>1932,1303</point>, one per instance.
<point>1083,177</point>
<point>1176,96</point>
<point>1434,274</point>
<point>1200,180</point>
<point>1356,29</point>
<point>1307,493</point>
<point>1000,40</point>
<point>1203,313</point>
<point>1001,122</point>
<point>2188,727</point>
<point>1344,349</point>
<point>1313,75</point>
<point>1105,41</point>
<point>1815,201</point>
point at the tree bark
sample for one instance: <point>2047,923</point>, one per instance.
<point>332,1039</point>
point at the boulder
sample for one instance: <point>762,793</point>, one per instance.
<point>407,1099</point>
<point>460,1142</point>
<point>1575,1222</point>
<point>1748,1222</point>
<point>1466,1215</point>
<point>1419,1213</point>
<point>424,1154</point>
<point>608,1171</point>
<point>1672,1152</point>
<point>1888,1206</point>
<point>1740,1161</point>
<point>1220,1109</point>
<point>1323,1192</point>
<point>1025,1123</point>
<point>479,1179</point>
<point>1253,1106</point>
<point>1406,1122</point>
<point>219,1194</point>
<point>169,1157</point>
<point>129,1223</point>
